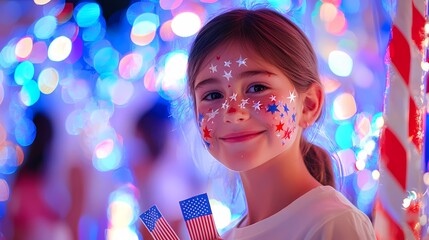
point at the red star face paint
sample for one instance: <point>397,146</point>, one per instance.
<point>247,109</point>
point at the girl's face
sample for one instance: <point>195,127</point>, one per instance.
<point>247,109</point>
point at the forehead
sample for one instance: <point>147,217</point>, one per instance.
<point>232,52</point>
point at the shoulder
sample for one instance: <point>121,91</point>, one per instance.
<point>348,225</point>
<point>340,219</point>
<point>322,213</point>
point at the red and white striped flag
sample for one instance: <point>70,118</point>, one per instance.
<point>158,227</point>
<point>397,206</point>
<point>199,219</point>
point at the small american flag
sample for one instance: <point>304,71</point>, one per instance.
<point>157,225</point>
<point>198,217</point>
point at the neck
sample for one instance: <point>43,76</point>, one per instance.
<point>274,185</point>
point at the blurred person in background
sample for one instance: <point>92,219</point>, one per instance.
<point>37,209</point>
<point>164,173</point>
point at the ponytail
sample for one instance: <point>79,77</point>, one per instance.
<point>318,162</point>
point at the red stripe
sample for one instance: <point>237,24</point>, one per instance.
<point>400,54</point>
<point>156,234</point>
<point>415,125</point>
<point>417,28</point>
<point>168,232</point>
<point>163,230</point>
<point>392,228</point>
<point>202,228</point>
<point>191,230</point>
<point>205,224</point>
<point>213,227</point>
<point>394,156</point>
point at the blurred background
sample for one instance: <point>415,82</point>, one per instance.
<point>87,140</point>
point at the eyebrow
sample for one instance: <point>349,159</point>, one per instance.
<point>245,74</point>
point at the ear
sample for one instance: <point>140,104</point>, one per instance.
<point>312,105</point>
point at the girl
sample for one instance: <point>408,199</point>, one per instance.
<point>255,86</point>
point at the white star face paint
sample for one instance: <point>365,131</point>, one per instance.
<point>246,107</point>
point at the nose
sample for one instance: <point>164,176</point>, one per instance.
<point>236,114</point>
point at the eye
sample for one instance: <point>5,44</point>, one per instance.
<point>257,88</point>
<point>212,96</point>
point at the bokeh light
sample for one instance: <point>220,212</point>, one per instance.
<point>186,24</point>
<point>172,81</point>
<point>328,11</point>
<point>39,53</point>
<point>87,14</point>
<point>121,92</point>
<point>41,2</point>
<point>221,213</point>
<point>104,148</point>
<point>106,60</point>
<point>343,135</point>
<point>4,190</point>
<point>11,157</point>
<point>23,48</point>
<point>59,49</point>
<point>144,29</point>
<point>344,106</point>
<point>340,63</point>
<point>130,66</point>
<point>25,132</point>
<point>24,72</point>
<point>45,27</point>
<point>170,4</point>
<point>348,160</point>
<point>48,80</point>
<point>29,93</point>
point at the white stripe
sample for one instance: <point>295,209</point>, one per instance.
<point>420,5</point>
<point>414,168</point>
<point>397,106</point>
<point>416,76</point>
<point>403,19</point>
<point>391,196</point>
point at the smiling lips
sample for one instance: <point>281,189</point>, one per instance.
<point>240,136</point>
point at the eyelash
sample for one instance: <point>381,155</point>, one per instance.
<point>257,85</point>
<point>210,95</point>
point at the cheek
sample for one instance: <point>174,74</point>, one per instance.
<point>280,115</point>
<point>207,119</point>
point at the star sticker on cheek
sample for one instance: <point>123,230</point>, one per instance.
<point>257,106</point>
<point>243,103</point>
<point>227,64</point>
<point>293,117</point>
<point>206,133</point>
<point>272,108</point>
<point>273,98</point>
<point>279,127</point>
<point>286,109</point>
<point>227,75</point>
<point>241,61</point>
<point>233,97</point>
<point>213,68</point>
<point>225,105</point>
<point>212,114</point>
<point>287,133</point>
<point>291,96</point>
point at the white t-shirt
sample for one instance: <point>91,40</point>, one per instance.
<point>322,213</point>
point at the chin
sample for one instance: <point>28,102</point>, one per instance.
<point>240,163</point>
